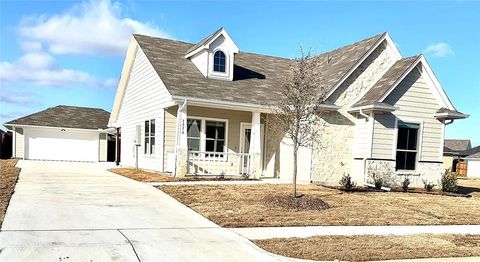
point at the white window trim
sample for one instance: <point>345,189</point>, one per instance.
<point>214,73</point>
<point>419,142</point>
<point>203,135</point>
<point>148,153</point>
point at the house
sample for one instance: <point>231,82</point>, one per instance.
<point>61,133</point>
<point>203,108</point>
<point>453,151</point>
<point>472,156</point>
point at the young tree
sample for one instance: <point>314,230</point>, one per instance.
<point>297,112</point>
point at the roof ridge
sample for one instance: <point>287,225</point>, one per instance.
<point>273,56</point>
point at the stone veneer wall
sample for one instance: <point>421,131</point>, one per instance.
<point>332,151</point>
<point>428,171</point>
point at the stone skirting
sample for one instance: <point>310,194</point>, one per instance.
<point>428,171</point>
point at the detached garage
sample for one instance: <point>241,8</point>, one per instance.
<point>67,133</point>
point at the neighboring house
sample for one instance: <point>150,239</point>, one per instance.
<point>453,151</point>
<point>202,109</point>
<point>473,161</point>
<point>61,133</point>
<point>5,144</point>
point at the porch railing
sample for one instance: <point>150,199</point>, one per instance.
<point>218,163</point>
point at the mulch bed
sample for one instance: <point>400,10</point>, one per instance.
<point>398,189</point>
<point>300,203</point>
<point>8,178</point>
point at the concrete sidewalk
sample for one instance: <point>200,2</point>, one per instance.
<point>256,233</point>
<point>63,211</point>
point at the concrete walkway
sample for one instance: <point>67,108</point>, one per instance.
<point>255,233</point>
<point>63,211</point>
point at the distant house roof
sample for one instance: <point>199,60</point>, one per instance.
<point>66,116</point>
<point>386,82</point>
<point>456,146</point>
<point>257,78</point>
<point>473,153</point>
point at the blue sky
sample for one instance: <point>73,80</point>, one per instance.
<point>71,52</point>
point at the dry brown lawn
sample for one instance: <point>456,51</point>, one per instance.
<point>8,178</point>
<point>366,248</point>
<point>146,176</point>
<point>142,176</point>
<point>251,206</point>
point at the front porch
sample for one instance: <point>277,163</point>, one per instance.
<point>215,141</point>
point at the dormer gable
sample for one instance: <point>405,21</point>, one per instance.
<point>214,56</point>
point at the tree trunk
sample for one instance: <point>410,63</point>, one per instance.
<point>295,151</point>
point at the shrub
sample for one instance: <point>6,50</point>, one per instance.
<point>405,184</point>
<point>449,182</point>
<point>377,181</point>
<point>428,185</point>
<point>347,183</point>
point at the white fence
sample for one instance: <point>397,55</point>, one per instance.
<point>217,163</point>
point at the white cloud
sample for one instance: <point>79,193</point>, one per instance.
<point>40,69</point>
<point>19,98</point>
<point>94,27</point>
<point>440,49</point>
<point>31,46</point>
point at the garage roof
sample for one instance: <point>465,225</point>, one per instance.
<point>67,117</point>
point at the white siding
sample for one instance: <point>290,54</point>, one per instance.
<point>473,169</point>
<point>416,102</point>
<point>144,95</point>
<point>19,143</point>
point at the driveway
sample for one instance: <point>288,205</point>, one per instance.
<point>65,211</point>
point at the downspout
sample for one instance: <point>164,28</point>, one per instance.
<point>451,121</point>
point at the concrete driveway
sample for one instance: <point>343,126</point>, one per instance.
<point>64,211</point>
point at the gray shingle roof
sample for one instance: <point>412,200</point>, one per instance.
<point>456,145</point>
<point>66,116</point>
<point>257,78</point>
<point>203,41</point>
<point>386,81</point>
<point>473,152</point>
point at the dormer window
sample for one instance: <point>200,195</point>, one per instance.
<point>219,62</point>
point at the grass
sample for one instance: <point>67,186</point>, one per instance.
<point>252,206</point>
<point>8,178</point>
<point>146,176</point>
<point>369,247</point>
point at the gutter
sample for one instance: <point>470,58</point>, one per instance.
<point>219,103</point>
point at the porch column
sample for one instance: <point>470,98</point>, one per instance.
<point>255,149</point>
<point>181,147</point>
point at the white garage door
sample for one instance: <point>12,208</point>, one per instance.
<point>54,144</point>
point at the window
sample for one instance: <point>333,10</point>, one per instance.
<point>407,146</point>
<point>149,148</point>
<point>194,127</point>
<point>215,136</point>
<point>219,62</point>
<point>206,135</point>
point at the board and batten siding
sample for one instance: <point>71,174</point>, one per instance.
<point>415,102</point>
<point>361,147</point>
<point>144,95</point>
<point>102,154</point>
<point>19,143</point>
